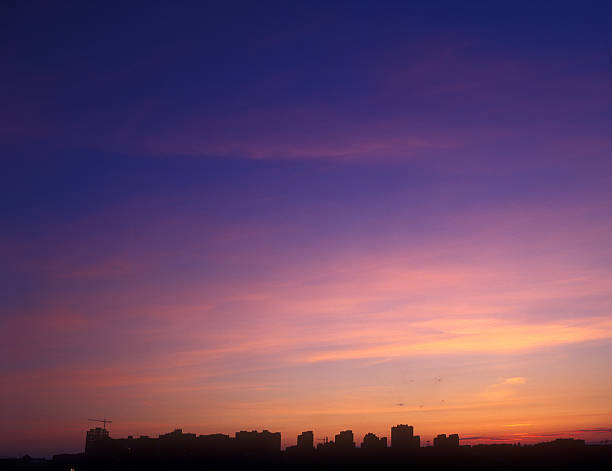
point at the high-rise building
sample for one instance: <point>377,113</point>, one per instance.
<point>97,433</point>
<point>403,438</point>
<point>344,440</point>
<point>305,440</point>
<point>97,440</point>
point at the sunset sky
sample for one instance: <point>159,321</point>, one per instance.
<point>318,216</point>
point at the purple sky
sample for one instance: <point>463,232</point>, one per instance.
<point>298,217</point>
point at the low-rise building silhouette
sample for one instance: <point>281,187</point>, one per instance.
<point>258,442</point>
<point>214,443</point>
<point>564,444</point>
<point>177,443</point>
<point>326,445</point>
<point>442,441</point>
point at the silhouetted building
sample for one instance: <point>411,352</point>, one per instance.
<point>442,441</point>
<point>97,433</point>
<point>258,442</point>
<point>403,438</point>
<point>97,441</point>
<point>177,443</point>
<point>261,450</point>
<point>216,443</point>
<point>564,444</point>
<point>344,440</point>
<point>305,441</point>
<point>177,434</point>
<point>372,442</point>
<point>325,446</point>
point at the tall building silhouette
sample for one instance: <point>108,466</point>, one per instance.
<point>305,440</point>
<point>344,440</point>
<point>403,438</point>
<point>96,440</point>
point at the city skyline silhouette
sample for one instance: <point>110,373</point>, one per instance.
<point>326,216</point>
<point>262,450</point>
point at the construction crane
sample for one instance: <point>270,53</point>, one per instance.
<point>104,421</point>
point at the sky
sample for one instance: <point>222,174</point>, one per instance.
<point>305,216</point>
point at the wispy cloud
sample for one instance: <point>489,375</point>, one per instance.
<point>515,380</point>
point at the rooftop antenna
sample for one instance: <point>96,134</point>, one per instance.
<point>104,421</point>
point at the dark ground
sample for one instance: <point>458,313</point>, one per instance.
<point>493,457</point>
